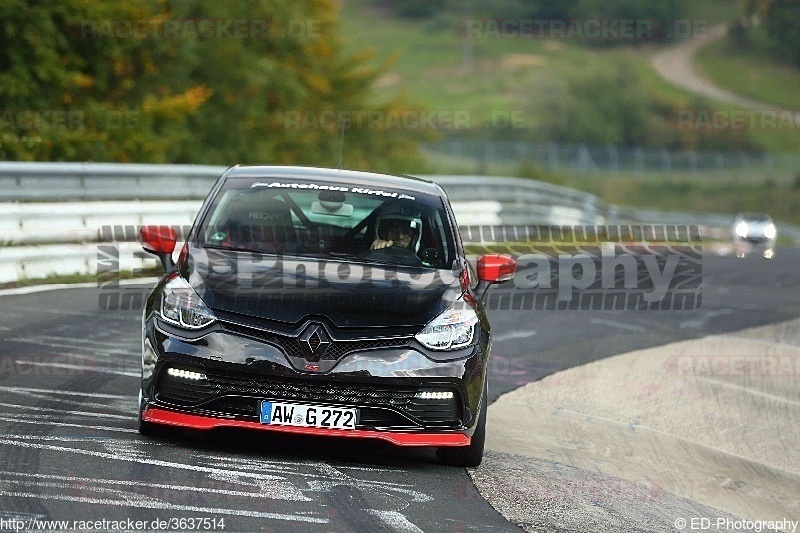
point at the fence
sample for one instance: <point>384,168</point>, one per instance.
<point>587,159</point>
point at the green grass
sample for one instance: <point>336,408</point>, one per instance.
<point>751,73</point>
<point>526,78</point>
<point>518,75</point>
<point>714,11</point>
<point>691,196</point>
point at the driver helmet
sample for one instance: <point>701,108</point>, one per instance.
<point>402,218</point>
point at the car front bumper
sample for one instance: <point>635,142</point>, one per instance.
<point>382,383</point>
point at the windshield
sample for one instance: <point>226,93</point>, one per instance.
<point>341,221</point>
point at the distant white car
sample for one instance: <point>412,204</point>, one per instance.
<point>754,233</point>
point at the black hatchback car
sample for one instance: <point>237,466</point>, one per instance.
<point>321,302</point>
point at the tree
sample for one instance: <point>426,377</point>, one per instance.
<point>190,81</point>
<point>780,20</point>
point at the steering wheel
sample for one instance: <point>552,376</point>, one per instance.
<point>393,254</point>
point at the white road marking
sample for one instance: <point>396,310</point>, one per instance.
<point>79,367</point>
<point>99,314</point>
<point>118,402</point>
<point>25,441</point>
<point>396,521</point>
<point>100,359</point>
<point>42,421</point>
<point>323,478</point>
<point>88,285</point>
<point>615,324</point>
<point>166,505</point>
<point>102,349</point>
<point>513,335</point>
<point>63,411</point>
<point>699,323</point>
<point>30,390</point>
<point>93,483</point>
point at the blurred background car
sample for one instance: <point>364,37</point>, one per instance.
<point>754,233</point>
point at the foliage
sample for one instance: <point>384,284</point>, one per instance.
<point>185,97</point>
<point>662,13</point>
<point>781,22</point>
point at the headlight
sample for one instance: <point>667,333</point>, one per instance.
<point>741,229</point>
<point>770,231</point>
<point>181,306</point>
<point>452,330</point>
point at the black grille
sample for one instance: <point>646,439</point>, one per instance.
<point>238,395</point>
<point>338,348</point>
<point>383,418</point>
<point>435,412</point>
<point>234,405</point>
<point>311,390</point>
<point>183,391</point>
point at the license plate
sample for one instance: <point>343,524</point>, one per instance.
<point>290,414</point>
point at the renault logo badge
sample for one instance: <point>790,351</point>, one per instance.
<point>314,342</point>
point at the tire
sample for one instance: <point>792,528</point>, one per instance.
<point>471,455</point>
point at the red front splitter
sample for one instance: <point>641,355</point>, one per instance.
<point>173,418</point>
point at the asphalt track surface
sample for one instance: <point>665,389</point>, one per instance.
<point>69,379</point>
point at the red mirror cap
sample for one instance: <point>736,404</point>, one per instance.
<point>496,267</point>
<point>158,239</point>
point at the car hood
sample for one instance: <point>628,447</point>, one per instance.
<point>289,289</point>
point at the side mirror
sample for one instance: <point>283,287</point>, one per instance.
<point>159,241</point>
<point>495,268</point>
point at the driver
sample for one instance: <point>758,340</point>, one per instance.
<point>397,229</point>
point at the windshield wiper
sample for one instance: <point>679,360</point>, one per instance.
<point>356,257</point>
<point>344,255</point>
<point>233,248</point>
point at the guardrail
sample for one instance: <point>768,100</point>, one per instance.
<point>50,213</point>
<point>59,182</point>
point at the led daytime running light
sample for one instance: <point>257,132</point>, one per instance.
<point>186,374</point>
<point>435,395</point>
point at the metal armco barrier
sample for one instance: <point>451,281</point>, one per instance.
<point>63,182</point>
<point>50,213</point>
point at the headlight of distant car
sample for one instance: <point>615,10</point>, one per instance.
<point>770,231</point>
<point>452,330</point>
<point>182,307</point>
<point>741,229</point>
